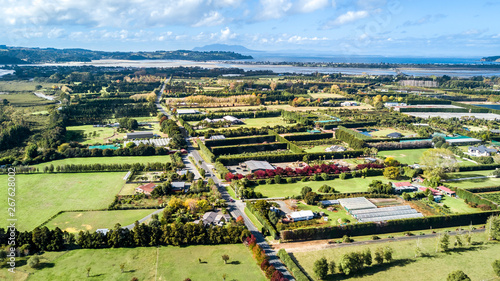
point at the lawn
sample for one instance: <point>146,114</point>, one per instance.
<point>25,99</point>
<point>473,182</point>
<point>291,189</point>
<point>326,95</point>
<point>475,261</point>
<point>164,263</point>
<point>458,205</point>
<point>76,221</point>
<point>40,196</point>
<point>404,156</point>
<point>382,133</point>
<point>317,148</point>
<point>101,133</point>
<point>106,160</point>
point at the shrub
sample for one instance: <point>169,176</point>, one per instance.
<point>457,275</point>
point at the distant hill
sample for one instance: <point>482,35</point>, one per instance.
<point>19,55</point>
<point>494,58</point>
<point>225,48</point>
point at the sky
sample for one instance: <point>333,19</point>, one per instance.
<point>335,27</point>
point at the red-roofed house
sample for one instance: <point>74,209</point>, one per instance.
<point>146,188</point>
<point>434,192</point>
<point>401,184</point>
<point>446,190</point>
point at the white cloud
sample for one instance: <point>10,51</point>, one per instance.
<point>274,9</point>
<point>348,17</point>
<point>307,6</point>
<point>226,34</point>
<point>210,19</point>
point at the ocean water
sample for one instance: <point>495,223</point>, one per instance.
<point>491,106</point>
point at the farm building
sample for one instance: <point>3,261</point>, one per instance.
<point>300,215</point>
<point>329,202</point>
<point>357,203</point>
<point>155,142</point>
<point>462,141</point>
<point>146,188</point>
<point>217,137</point>
<point>139,135</point>
<point>446,190</point>
<point>254,165</point>
<point>385,214</point>
<point>187,111</point>
<point>481,151</point>
<point>102,231</point>
<point>335,148</point>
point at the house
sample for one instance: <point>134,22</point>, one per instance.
<point>139,135</point>
<point>418,179</point>
<point>182,172</point>
<point>232,119</point>
<point>209,218</point>
<point>178,186</point>
<point>214,218</point>
<point>400,187</point>
<point>446,190</point>
<point>187,111</point>
<point>300,216</point>
<point>254,165</point>
<point>335,148</point>
<point>481,151</point>
<point>395,135</point>
<point>433,191</point>
<point>146,188</point>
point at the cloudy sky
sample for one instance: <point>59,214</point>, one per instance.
<point>339,27</point>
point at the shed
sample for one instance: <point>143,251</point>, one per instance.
<point>187,111</point>
<point>139,135</point>
<point>446,190</point>
<point>357,203</point>
<point>217,137</point>
<point>178,186</point>
<point>300,215</point>
<point>254,165</point>
<point>329,202</point>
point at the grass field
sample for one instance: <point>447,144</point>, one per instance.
<point>382,133</point>
<point>473,182</point>
<point>493,196</point>
<point>326,95</point>
<point>458,205</point>
<point>40,196</point>
<point>106,160</point>
<point>163,263</point>
<point>253,122</point>
<point>102,133</point>
<point>317,148</point>
<point>475,261</point>
<point>76,221</point>
<point>8,86</point>
<point>25,99</point>
<point>289,189</point>
<point>405,156</point>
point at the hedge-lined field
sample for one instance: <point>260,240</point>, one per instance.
<point>40,196</point>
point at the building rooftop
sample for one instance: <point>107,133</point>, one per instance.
<point>255,165</point>
<point>356,203</point>
<point>301,214</point>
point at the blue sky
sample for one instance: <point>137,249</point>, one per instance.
<point>337,27</point>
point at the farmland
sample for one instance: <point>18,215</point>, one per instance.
<point>73,222</point>
<point>40,196</point>
<point>164,263</point>
<point>475,261</point>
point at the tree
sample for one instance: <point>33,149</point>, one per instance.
<point>88,271</point>
<point>391,173</point>
<point>225,258</point>
<point>457,275</point>
<point>34,261</point>
<point>437,162</point>
<point>305,190</point>
<point>367,257</point>
<point>379,256</point>
<point>331,267</point>
<point>311,198</point>
<point>493,227</point>
<point>31,152</point>
<point>378,187</point>
<point>321,268</point>
<point>122,267</point>
<point>391,162</point>
<point>406,196</point>
<point>388,254</point>
<point>444,242</point>
<point>496,267</point>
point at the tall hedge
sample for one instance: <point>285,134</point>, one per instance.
<point>484,189</point>
<point>188,127</point>
<point>256,147</point>
<point>263,220</point>
<point>308,137</point>
<point>221,170</point>
<point>292,266</point>
<point>478,167</point>
<point>354,139</point>
<point>205,151</point>
<point>240,140</point>
<point>475,198</point>
<point>289,157</point>
<point>371,228</point>
<point>291,146</point>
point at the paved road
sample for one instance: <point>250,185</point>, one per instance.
<point>237,209</point>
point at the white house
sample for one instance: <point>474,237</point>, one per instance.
<point>481,151</point>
